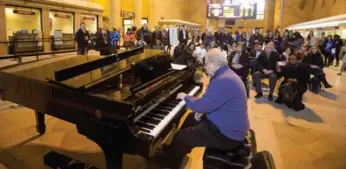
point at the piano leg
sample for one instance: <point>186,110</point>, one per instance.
<point>40,125</point>
<point>113,158</point>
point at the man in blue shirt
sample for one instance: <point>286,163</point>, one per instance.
<point>220,119</point>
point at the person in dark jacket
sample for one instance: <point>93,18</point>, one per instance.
<point>102,44</point>
<point>298,75</point>
<point>266,68</point>
<point>218,36</point>
<point>329,50</point>
<point>144,34</point>
<point>227,38</point>
<point>183,35</point>
<point>338,44</point>
<point>239,62</point>
<point>256,38</point>
<point>82,38</point>
<point>314,58</point>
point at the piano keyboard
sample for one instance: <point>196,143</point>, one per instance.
<point>153,120</point>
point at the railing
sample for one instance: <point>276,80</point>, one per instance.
<point>36,51</point>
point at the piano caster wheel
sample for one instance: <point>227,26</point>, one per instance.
<point>41,130</point>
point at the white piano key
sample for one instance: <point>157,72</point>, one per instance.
<point>158,128</point>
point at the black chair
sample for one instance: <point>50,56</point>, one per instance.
<point>237,158</point>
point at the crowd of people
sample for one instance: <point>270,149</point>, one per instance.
<point>297,60</point>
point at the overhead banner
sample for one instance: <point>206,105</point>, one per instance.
<point>232,11</point>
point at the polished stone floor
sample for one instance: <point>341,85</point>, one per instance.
<point>314,138</point>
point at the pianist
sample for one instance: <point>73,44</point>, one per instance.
<point>220,119</point>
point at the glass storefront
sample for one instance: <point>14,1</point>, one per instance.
<point>25,20</point>
<point>90,22</point>
<point>62,21</point>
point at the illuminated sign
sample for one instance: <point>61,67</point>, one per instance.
<point>233,10</point>
<point>61,15</point>
<point>126,14</point>
<point>23,12</point>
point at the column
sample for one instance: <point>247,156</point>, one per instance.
<point>100,21</point>
<point>46,30</point>
<point>115,19</point>
<point>269,15</point>
<point>77,21</point>
<point>153,21</point>
<point>137,8</point>
<point>3,31</point>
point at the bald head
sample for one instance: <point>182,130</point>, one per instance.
<point>214,59</point>
<point>215,55</point>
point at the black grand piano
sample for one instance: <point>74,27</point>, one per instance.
<point>124,102</point>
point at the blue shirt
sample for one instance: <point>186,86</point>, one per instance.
<point>224,103</point>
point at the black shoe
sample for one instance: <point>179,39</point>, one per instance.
<point>258,95</point>
<point>328,86</point>
<point>278,101</point>
<point>299,107</point>
<point>270,97</point>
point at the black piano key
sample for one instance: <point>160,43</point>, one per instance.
<point>155,116</point>
<point>167,104</point>
<point>143,129</point>
<point>162,107</point>
<point>155,111</point>
<point>173,101</point>
<point>144,125</point>
<point>149,120</point>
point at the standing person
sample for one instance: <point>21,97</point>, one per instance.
<point>338,45</point>
<point>220,119</point>
<point>129,39</point>
<point>297,42</point>
<point>218,36</point>
<point>277,42</point>
<point>311,40</point>
<point>114,36</point>
<point>266,68</point>
<point>329,50</point>
<point>322,43</point>
<point>157,34</point>
<point>183,35</point>
<point>82,38</point>
<point>144,34</point>
<point>256,38</point>
<point>343,67</point>
<point>269,37</point>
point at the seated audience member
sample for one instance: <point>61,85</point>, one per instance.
<point>315,58</point>
<point>266,68</point>
<point>254,54</point>
<point>158,45</point>
<point>200,53</point>
<point>296,77</point>
<point>186,57</point>
<point>140,43</point>
<point>239,63</point>
<point>178,51</point>
<point>220,119</point>
<point>285,55</point>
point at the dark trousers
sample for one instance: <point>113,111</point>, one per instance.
<point>272,81</point>
<point>196,134</point>
<point>319,73</point>
<point>82,51</point>
<point>297,103</point>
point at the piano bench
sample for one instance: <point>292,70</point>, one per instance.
<point>221,159</point>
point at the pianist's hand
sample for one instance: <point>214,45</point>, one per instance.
<point>181,96</point>
<point>198,116</point>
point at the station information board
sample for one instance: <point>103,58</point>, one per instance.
<point>232,11</point>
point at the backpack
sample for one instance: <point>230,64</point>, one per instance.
<point>315,85</point>
<point>289,91</point>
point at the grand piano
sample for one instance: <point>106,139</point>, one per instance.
<point>123,102</point>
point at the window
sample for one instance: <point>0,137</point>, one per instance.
<point>260,9</point>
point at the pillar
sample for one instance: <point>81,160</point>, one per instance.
<point>77,21</point>
<point>100,21</point>
<point>3,31</point>
<point>153,19</point>
<point>137,7</point>
<point>46,30</point>
<point>269,15</point>
<point>115,18</point>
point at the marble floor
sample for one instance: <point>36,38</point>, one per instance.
<point>314,138</point>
